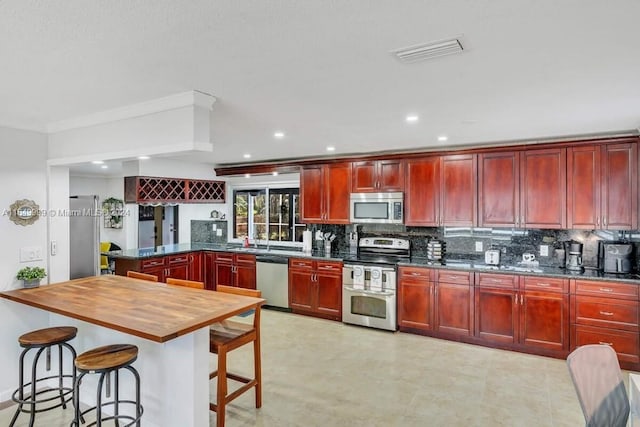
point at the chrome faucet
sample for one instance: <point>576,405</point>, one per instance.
<point>255,239</point>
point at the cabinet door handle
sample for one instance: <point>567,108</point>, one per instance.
<point>516,299</point>
<point>521,299</point>
<point>606,289</point>
<point>544,284</point>
<point>598,221</point>
<point>606,343</point>
<point>606,313</point>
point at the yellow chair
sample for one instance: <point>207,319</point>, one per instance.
<point>104,260</point>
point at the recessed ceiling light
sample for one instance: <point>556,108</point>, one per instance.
<point>331,148</point>
<point>247,175</point>
<point>278,135</point>
<point>274,173</point>
<point>104,167</point>
<point>246,156</point>
<point>143,157</point>
<point>412,118</point>
<point>442,138</point>
<point>97,162</point>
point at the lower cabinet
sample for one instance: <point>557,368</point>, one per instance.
<point>179,266</point>
<point>209,270</point>
<point>233,269</point>
<point>315,288</point>
<point>606,313</point>
<point>415,298</point>
<point>454,303</point>
<point>526,313</point>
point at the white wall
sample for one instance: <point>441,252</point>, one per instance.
<point>23,175</point>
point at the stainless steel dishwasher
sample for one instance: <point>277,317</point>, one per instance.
<point>272,278</point>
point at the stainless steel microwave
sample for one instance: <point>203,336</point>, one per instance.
<point>376,208</point>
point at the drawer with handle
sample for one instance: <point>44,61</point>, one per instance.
<point>509,281</point>
<point>178,259</point>
<point>459,277</point>
<point>625,343</point>
<point>330,267</point>
<point>300,263</point>
<point>545,284</point>
<point>606,312</point>
<point>606,289</point>
<point>415,273</point>
<point>153,262</point>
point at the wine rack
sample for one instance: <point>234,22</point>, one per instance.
<point>145,189</point>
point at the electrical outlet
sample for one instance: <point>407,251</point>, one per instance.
<point>54,247</point>
<point>219,232</point>
<point>214,227</point>
<point>544,250</point>
<point>478,246</point>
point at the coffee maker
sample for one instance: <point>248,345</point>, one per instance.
<point>573,256</point>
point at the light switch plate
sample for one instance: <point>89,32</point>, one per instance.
<point>544,250</point>
<point>31,253</point>
<point>478,246</point>
<point>214,227</point>
<point>219,232</point>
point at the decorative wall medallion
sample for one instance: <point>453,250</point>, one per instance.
<point>24,212</point>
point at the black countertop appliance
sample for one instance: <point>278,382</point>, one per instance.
<point>615,257</point>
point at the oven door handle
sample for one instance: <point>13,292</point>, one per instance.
<point>367,292</point>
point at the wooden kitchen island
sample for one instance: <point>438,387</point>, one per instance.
<point>169,324</point>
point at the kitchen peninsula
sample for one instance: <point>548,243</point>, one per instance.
<point>169,324</point>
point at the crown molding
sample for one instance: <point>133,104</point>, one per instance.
<point>172,102</point>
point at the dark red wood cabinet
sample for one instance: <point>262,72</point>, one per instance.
<point>179,266</point>
<point>415,298</point>
<point>523,189</point>
<point>377,176</point>
<point>441,190</point>
<point>324,191</point>
<point>315,288</point>
<point>235,269</point>
<point>602,186</point>
<point>209,270</point>
<point>607,313</point>
<point>454,303</point>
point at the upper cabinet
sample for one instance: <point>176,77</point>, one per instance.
<point>324,191</point>
<point>602,187</point>
<point>522,189</point>
<point>377,176</point>
<point>148,189</point>
<point>441,190</point>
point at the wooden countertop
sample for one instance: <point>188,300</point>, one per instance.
<point>155,311</point>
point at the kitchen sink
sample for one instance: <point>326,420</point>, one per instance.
<point>518,269</point>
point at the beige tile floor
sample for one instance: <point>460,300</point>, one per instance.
<point>323,373</point>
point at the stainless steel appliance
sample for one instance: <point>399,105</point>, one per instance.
<point>574,257</point>
<point>369,294</point>
<point>376,208</point>
<point>272,278</point>
<point>84,237</point>
<point>615,257</point>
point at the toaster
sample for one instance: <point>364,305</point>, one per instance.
<point>492,257</point>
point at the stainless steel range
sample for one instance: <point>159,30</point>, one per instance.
<point>369,282</point>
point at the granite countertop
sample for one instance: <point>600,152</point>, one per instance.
<point>416,261</point>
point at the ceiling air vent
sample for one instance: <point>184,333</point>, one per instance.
<point>430,50</point>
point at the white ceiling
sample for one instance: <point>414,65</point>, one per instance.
<point>321,71</point>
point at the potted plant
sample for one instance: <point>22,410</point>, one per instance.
<point>31,276</point>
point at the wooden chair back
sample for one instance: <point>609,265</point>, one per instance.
<point>143,276</point>
<point>239,291</point>
<point>186,283</point>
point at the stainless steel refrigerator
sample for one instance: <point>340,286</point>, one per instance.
<point>84,236</point>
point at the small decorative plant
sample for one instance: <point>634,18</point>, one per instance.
<point>31,276</point>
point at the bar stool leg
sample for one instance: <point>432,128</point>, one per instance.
<point>99,401</point>
<point>116,395</point>
<point>32,415</point>
<point>21,393</point>
<point>222,388</point>
<point>138,406</point>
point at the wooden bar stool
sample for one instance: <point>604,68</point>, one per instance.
<point>105,360</point>
<point>43,340</point>
<point>225,337</point>
<point>186,283</point>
